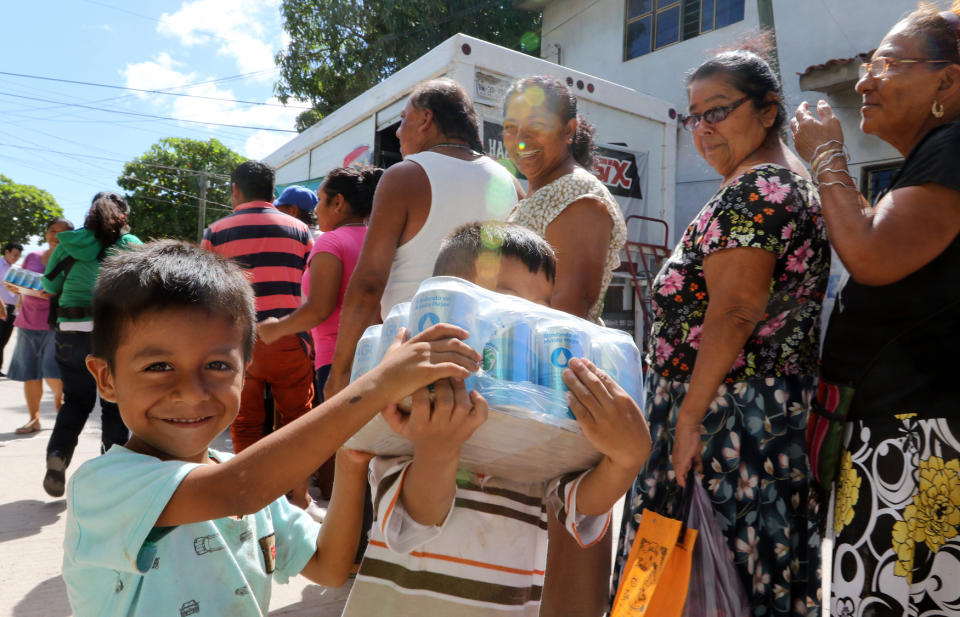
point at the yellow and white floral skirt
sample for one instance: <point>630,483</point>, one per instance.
<point>896,522</point>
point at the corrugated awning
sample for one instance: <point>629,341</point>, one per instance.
<point>834,74</point>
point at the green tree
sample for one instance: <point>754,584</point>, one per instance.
<point>25,211</point>
<point>340,48</point>
<point>162,186</point>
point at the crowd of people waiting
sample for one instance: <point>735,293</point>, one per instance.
<point>184,337</point>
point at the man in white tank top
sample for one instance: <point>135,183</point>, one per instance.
<point>443,182</point>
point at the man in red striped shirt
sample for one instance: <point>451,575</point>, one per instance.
<point>273,248</point>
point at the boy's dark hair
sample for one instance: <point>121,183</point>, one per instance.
<point>168,274</point>
<point>107,217</point>
<point>356,184</point>
<point>10,246</point>
<point>460,250</point>
<point>452,110</point>
<point>255,179</point>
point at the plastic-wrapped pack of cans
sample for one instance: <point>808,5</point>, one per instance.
<point>27,280</point>
<point>525,346</point>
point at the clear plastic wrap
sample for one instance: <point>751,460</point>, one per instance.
<point>530,432</point>
<point>26,281</point>
<point>715,589</point>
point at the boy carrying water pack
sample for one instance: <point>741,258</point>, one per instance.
<point>457,544</point>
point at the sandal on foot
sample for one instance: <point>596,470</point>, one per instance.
<point>30,427</point>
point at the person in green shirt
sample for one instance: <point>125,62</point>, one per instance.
<point>71,275</point>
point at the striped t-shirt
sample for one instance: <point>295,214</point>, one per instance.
<point>272,246</point>
<point>487,557</point>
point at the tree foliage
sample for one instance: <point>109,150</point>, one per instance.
<point>162,186</point>
<point>25,211</point>
<point>340,48</point>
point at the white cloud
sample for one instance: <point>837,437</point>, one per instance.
<point>157,74</point>
<point>246,30</point>
<point>262,143</point>
<point>161,72</point>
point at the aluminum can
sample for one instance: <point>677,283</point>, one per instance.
<point>15,276</point>
<point>366,355</point>
<point>398,317</point>
<point>510,355</point>
<point>445,303</point>
<point>616,353</point>
<point>34,282</point>
<point>556,343</point>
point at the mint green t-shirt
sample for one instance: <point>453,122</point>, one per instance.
<point>117,563</point>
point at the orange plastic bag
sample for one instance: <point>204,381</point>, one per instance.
<point>657,574</point>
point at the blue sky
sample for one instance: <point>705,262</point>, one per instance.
<point>151,45</point>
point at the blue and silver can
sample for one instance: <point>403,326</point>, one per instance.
<point>366,355</point>
<point>398,317</point>
<point>616,353</point>
<point>14,276</point>
<point>510,355</point>
<point>445,300</point>
<point>558,342</point>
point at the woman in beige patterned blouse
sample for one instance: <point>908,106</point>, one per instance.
<point>552,145</point>
<point>569,207</point>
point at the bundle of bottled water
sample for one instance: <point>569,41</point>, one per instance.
<point>27,281</point>
<point>525,346</point>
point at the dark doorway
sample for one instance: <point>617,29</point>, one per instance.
<point>387,147</point>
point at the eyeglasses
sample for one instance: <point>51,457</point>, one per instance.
<point>878,67</point>
<point>714,115</point>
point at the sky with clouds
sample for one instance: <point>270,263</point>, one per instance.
<point>222,49</point>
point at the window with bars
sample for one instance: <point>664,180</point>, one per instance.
<point>653,24</point>
<point>876,179</point>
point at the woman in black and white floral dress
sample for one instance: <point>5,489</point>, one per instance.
<point>895,331</point>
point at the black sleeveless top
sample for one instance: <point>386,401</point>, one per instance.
<point>898,344</point>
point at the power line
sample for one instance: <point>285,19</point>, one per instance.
<point>133,113</point>
<point>170,190</point>
<point>164,92</point>
<point>106,158</point>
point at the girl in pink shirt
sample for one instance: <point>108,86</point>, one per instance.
<point>345,201</point>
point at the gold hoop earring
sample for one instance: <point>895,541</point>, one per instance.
<point>937,109</point>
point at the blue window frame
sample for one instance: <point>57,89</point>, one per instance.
<point>654,24</point>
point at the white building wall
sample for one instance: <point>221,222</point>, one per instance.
<point>590,37</point>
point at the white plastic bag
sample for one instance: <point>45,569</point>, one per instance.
<point>715,589</point>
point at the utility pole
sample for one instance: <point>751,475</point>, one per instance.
<point>202,205</point>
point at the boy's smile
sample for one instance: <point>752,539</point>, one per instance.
<point>177,377</point>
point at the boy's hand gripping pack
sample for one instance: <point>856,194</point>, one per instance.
<point>530,433</point>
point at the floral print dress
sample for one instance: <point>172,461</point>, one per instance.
<point>754,458</point>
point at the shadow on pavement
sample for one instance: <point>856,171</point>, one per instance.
<point>19,519</point>
<point>11,436</point>
<point>48,599</point>
<point>317,601</point>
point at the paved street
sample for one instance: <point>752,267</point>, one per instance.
<point>32,523</point>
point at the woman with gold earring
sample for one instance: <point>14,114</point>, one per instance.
<point>895,330</point>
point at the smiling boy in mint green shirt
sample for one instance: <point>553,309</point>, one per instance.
<point>167,526</point>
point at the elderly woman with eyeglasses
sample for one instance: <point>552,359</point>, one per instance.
<point>733,348</point>
<point>895,331</point>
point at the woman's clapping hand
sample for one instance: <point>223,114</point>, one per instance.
<point>813,129</point>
